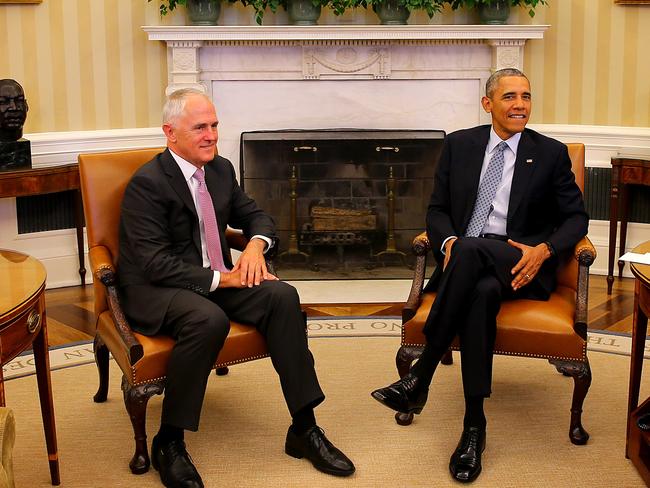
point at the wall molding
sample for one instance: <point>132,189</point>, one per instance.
<point>57,249</point>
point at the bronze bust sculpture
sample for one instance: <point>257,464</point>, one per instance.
<point>14,150</point>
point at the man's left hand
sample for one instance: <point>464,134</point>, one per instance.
<point>252,265</point>
<point>528,266</point>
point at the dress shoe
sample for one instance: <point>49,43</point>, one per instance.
<point>408,395</point>
<point>465,462</point>
<point>175,465</point>
<point>314,446</point>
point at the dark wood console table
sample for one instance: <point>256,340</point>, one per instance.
<point>625,171</point>
<point>39,181</point>
<point>637,446</point>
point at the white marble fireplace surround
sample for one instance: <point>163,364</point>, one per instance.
<point>366,76</point>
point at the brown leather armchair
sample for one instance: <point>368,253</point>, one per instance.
<point>555,330</point>
<point>143,359</point>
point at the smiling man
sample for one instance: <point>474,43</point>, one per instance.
<point>504,206</point>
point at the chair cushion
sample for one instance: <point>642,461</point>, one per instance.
<point>524,327</point>
<point>244,343</point>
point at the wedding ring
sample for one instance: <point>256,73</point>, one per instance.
<point>527,276</point>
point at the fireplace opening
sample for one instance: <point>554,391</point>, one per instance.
<point>347,202</point>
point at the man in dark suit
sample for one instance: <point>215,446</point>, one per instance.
<point>177,278</point>
<point>504,206</point>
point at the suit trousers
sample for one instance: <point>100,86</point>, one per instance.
<point>200,326</point>
<point>477,279</point>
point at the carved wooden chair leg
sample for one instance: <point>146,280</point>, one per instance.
<point>101,360</point>
<point>581,373</point>
<point>404,358</point>
<point>135,400</point>
<point>447,358</point>
<point>222,371</point>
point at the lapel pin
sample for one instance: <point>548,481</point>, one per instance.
<point>529,161</point>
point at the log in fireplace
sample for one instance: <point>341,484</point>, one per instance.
<point>347,202</point>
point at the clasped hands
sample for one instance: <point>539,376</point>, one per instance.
<point>250,270</point>
<point>532,258</point>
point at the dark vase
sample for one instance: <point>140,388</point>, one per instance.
<point>392,12</point>
<point>203,12</point>
<point>495,12</point>
<point>303,12</point>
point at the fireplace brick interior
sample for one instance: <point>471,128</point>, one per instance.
<point>343,185</point>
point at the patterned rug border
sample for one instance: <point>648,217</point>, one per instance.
<point>80,353</point>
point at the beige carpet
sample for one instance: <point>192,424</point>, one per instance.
<point>240,443</point>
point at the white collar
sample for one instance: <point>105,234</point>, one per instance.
<point>513,142</point>
<point>186,167</point>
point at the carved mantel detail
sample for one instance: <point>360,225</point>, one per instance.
<point>346,62</point>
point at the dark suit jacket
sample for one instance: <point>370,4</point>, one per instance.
<point>160,244</point>
<point>545,202</point>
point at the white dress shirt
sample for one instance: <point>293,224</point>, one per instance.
<point>188,170</point>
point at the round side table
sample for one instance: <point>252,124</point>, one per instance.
<point>23,325</point>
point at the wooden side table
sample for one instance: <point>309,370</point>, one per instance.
<point>637,446</point>
<point>23,324</point>
<point>39,181</point>
<point>625,171</point>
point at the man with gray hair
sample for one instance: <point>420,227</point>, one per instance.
<point>177,278</point>
<point>504,206</point>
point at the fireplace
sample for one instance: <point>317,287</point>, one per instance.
<point>347,202</point>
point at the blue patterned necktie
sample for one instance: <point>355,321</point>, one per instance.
<point>486,192</point>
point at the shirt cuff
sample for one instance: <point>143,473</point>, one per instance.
<point>442,248</point>
<point>216,278</point>
<point>268,241</point>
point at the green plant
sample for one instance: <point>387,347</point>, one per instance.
<point>530,4</point>
<point>167,6</point>
<point>259,6</point>
<point>431,7</point>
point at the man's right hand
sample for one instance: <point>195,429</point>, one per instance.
<point>448,246</point>
<point>234,279</point>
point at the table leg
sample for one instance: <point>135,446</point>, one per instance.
<point>79,224</point>
<point>613,222</point>
<point>42,362</point>
<point>639,331</point>
<point>625,211</point>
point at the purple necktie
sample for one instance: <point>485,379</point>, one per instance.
<point>209,224</point>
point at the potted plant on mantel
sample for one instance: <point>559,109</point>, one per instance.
<point>496,11</point>
<point>301,12</point>
<point>397,12</point>
<point>199,12</point>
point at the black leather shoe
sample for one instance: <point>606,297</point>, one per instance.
<point>175,465</point>
<point>407,395</point>
<point>314,446</point>
<point>465,462</point>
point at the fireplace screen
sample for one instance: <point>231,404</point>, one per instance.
<point>347,202</point>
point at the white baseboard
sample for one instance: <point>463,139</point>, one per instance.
<point>58,249</point>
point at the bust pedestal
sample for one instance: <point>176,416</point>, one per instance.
<point>15,155</point>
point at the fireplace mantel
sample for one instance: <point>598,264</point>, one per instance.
<point>245,33</point>
<point>326,51</point>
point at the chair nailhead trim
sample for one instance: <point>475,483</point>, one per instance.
<point>523,354</point>
<point>221,365</point>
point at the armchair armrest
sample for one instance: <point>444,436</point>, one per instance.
<point>585,254</point>
<point>104,272</point>
<point>420,247</point>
